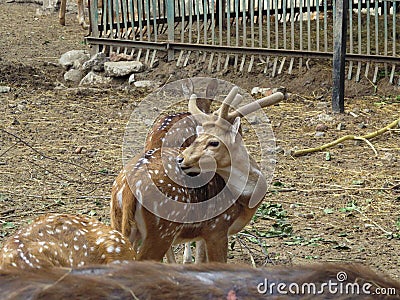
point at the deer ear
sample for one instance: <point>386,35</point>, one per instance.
<point>199,130</point>
<point>235,129</point>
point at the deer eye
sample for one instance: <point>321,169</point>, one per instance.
<point>213,144</point>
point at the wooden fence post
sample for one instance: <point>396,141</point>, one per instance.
<point>339,55</point>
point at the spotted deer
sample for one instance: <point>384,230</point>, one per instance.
<point>169,126</point>
<point>149,280</point>
<point>61,240</point>
<point>148,200</point>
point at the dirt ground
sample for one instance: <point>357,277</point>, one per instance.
<point>336,207</point>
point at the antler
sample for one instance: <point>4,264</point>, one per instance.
<point>223,112</point>
<point>256,105</point>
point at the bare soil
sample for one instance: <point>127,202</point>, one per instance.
<point>342,208</point>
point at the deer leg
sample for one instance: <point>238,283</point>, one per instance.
<point>187,254</point>
<point>217,248</point>
<point>171,256</point>
<point>201,253</point>
<point>81,15</point>
<point>154,248</point>
<point>61,14</point>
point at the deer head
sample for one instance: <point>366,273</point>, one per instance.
<point>218,139</point>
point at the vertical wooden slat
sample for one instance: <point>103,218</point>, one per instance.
<point>301,32</point>
<point>359,40</point>
<point>385,24</point>
<point>317,24</point>
<point>351,39</point>
<point>237,31</point>
<point>140,27</point>
<point>212,34</point>
<point>228,31</point>
<point>268,33</point>
<point>241,67</point>
<point>292,4</point>
<point>94,23</point>
<point>374,79</point>
<point>391,79</point>
<point>221,21</point>
<point>308,26</point>
<point>251,33</point>
<point>191,14</point>
<point>368,38</point>
<point>325,25</point>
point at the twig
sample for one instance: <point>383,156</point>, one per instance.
<point>349,137</point>
<point>52,158</point>
<point>253,262</point>
<point>58,280</point>
<point>372,221</point>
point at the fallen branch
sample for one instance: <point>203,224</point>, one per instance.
<point>364,138</point>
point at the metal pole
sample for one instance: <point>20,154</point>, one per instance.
<point>339,55</point>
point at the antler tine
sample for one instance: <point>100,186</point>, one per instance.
<point>193,108</point>
<point>252,107</point>
<point>238,99</point>
<point>223,113</point>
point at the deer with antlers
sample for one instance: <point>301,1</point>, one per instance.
<point>135,211</point>
<point>151,195</point>
<point>178,126</point>
<point>61,240</point>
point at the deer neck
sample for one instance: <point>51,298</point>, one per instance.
<point>245,181</point>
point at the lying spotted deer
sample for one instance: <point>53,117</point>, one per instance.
<point>139,212</point>
<point>149,280</point>
<point>61,240</point>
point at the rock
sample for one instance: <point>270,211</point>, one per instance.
<point>120,57</point>
<point>322,105</point>
<point>340,126</point>
<point>131,79</point>
<point>73,75</point>
<point>5,89</point>
<point>321,127</point>
<point>96,63</point>
<point>79,62</point>
<point>325,118</point>
<point>255,90</point>
<point>253,120</point>
<point>15,122</point>
<point>67,59</point>
<point>319,134</point>
<point>95,79</point>
<point>362,126</point>
<point>122,68</point>
<point>146,84</point>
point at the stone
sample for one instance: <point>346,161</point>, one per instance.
<point>73,75</point>
<point>146,84</point>
<point>122,68</point>
<point>319,134</point>
<point>93,78</point>
<point>5,89</point>
<point>68,58</point>
<point>321,127</point>
<point>96,63</point>
<point>131,79</point>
